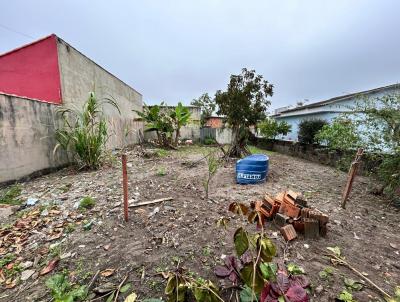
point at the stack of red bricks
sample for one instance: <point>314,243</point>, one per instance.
<point>290,213</point>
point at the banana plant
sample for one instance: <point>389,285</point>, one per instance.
<point>180,117</point>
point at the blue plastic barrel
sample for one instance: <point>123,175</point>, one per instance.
<point>252,169</point>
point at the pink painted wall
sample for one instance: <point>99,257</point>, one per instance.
<point>32,71</point>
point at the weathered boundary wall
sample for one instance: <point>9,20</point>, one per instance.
<point>27,140</point>
<point>187,132</point>
<point>80,75</point>
<point>222,135</point>
<point>321,154</point>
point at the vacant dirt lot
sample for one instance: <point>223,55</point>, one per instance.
<point>184,229</point>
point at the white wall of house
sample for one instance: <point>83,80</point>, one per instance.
<point>327,112</point>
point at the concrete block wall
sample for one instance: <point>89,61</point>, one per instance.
<point>27,126</point>
<point>27,137</point>
<point>80,75</point>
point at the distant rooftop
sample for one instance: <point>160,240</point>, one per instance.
<point>335,99</point>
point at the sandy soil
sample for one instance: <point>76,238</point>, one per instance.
<point>184,230</point>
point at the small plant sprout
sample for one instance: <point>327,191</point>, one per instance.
<point>212,165</point>
<point>11,195</point>
<point>162,171</point>
<point>62,290</point>
<point>87,203</point>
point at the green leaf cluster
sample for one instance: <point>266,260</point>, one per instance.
<point>341,134</point>
<point>63,291</point>
<point>271,128</point>
<point>308,129</point>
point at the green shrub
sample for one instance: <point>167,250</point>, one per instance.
<point>84,133</point>
<point>209,140</point>
<point>308,128</point>
<point>10,195</point>
<point>341,134</point>
<point>389,172</point>
<point>86,203</point>
<point>271,128</point>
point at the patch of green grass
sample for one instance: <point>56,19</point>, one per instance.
<point>70,228</point>
<point>256,150</point>
<point>206,250</point>
<point>7,259</point>
<point>176,260</point>
<point>86,203</point>
<point>162,153</point>
<point>55,251</point>
<point>196,149</point>
<point>327,273</point>
<point>16,268</point>
<point>162,171</point>
<point>10,195</point>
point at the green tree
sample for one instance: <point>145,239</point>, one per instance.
<point>271,128</point>
<point>341,134</point>
<point>308,128</point>
<point>244,104</point>
<point>180,117</point>
<point>207,106</point>
<point>379,123</point>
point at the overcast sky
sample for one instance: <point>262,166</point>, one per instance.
<point>177,50</point>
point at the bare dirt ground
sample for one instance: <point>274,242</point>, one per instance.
<point>184,230</point>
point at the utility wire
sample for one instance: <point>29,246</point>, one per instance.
<point>15,31</point>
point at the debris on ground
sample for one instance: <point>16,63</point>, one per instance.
<point>289,211</point>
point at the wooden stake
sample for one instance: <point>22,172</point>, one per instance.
<point>144,203</point>
<point>350,179</point>
<point>125,186</point>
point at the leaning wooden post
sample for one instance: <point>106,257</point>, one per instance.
<point>350,179</point>
<point>125,186</point>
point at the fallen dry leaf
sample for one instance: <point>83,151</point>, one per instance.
<point>2,277</point>
<point>50,266</point>
<point>131,298</point>
<point>55,236</point>
<point>108,272</point>
<point>11,283</point>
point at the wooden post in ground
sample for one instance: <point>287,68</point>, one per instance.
<point>350,179</point>
<point>125,186</point>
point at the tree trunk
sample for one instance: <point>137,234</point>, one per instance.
<point>159,138</point>
<point>238,148</point>
<point>177,135</point>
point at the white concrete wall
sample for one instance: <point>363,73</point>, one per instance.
<point>224,136</point>
<point>27,137</point>
<point>80,75</point>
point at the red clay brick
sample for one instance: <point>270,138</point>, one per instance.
<point>288,232</point>
<point>289,210</point>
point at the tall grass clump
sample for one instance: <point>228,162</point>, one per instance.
<point>84,133</point>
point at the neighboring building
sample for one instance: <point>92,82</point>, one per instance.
<point>328,109</point>
<point>215,121</point>
<point>35,80</point>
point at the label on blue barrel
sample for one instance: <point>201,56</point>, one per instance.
<point>248,176</point>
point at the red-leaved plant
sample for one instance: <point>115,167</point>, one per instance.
<point>253,271</point>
